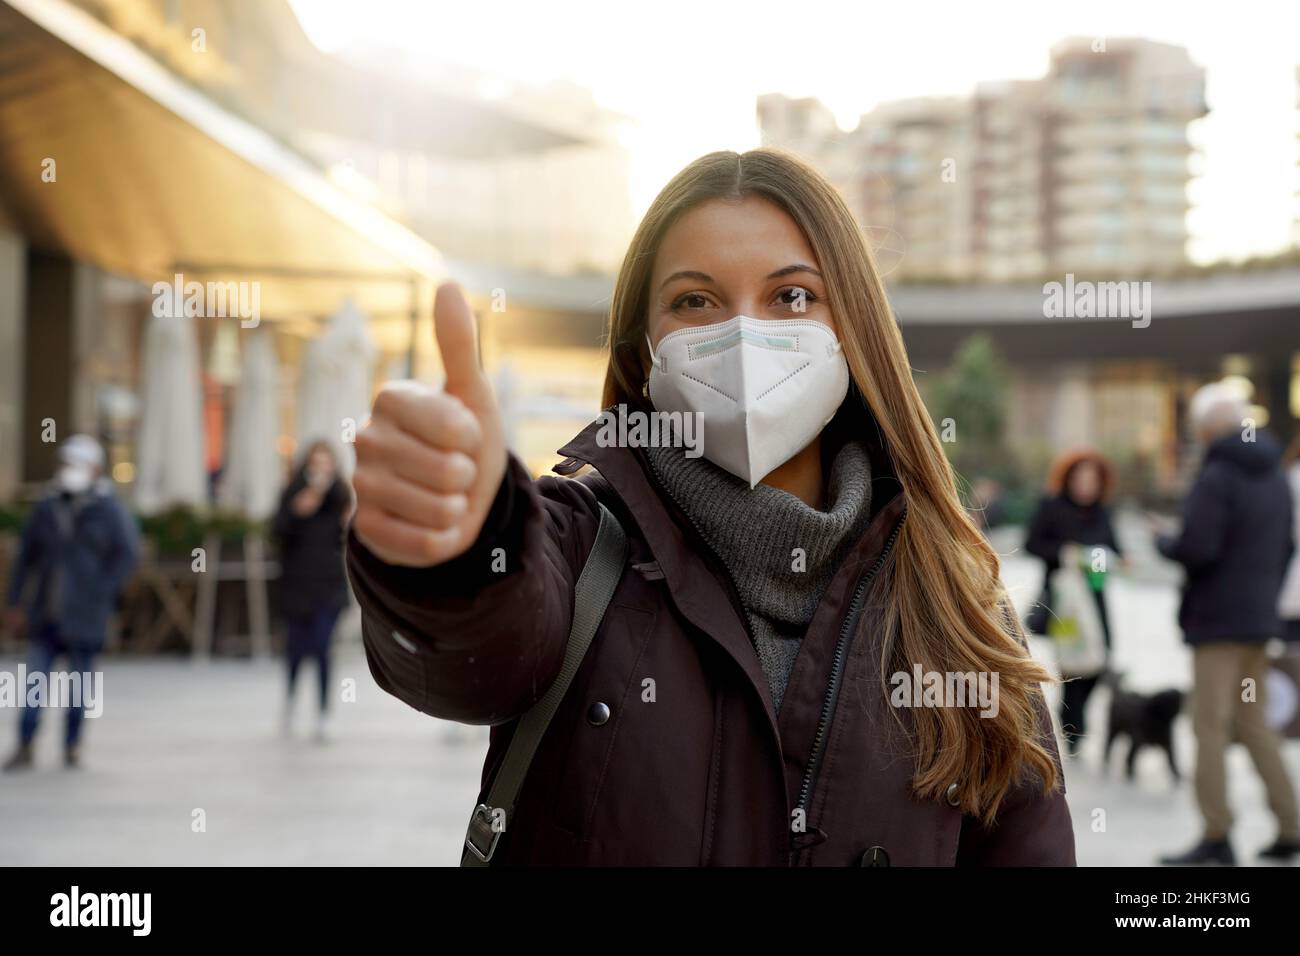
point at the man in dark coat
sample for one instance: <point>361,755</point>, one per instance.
<point>78,548</point>
<point>1235,544</point>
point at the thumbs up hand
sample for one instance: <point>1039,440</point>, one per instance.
<point>430,461</point>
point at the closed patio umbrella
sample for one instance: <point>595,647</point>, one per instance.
<point>251,479</point>
<point>170,446</point>
<point>335,388</point>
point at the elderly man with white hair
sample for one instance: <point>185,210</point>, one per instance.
<point>78,547</point>
<point>1235,542</point>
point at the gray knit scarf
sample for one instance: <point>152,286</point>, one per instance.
<point>755,534</point>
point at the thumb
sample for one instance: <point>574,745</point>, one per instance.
<point>453,325</point>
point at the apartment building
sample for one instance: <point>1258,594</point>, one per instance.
<point>1116,154</point>
<point>1082,170</point>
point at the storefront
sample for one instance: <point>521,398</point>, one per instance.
<point>123,187</point>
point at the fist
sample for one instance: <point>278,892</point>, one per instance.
<point>430,461</point>
<point>306,502</point>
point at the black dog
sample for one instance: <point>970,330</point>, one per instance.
<point>1146,719</point>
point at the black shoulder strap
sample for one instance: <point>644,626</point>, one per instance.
<point>591,596</point>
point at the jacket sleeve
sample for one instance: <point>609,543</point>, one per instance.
<point>28,554</point>
<point>1205,522</point>
<point>285,523</point>
<point>1042,540</point>
<point>126,551</point>
<point>480,638</point>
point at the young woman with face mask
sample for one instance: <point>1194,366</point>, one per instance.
<point>753,694</point>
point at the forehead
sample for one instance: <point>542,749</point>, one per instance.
<point>733,238</point>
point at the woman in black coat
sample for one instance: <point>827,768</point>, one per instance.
<point>1074,512</point>
<point>309,525</point>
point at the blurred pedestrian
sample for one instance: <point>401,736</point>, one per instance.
<point>78,548</point>
<point>314,508</point>
<point>1289,603</point>
<point>1235,543</point>
<point>1074,512</point>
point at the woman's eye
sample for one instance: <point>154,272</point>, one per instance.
<point>796,297</point>
<point>691,300</point>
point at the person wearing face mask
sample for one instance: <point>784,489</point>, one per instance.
<point>754,628</point>
<point>313,587</point>
<point>78,548</point>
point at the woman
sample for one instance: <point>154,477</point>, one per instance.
<point>1074,512</point>
<point>314,509</point>
<point>781,587</point>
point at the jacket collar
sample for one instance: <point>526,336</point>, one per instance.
<point>693,583</point>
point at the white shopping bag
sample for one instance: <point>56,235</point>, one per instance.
<point>1075,624</point>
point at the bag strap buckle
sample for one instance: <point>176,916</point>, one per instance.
<point>591,596</point>
<point>481,837</point>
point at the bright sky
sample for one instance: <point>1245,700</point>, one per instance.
<point>688,72</point>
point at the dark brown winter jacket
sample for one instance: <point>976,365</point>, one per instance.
<point>686,763</point>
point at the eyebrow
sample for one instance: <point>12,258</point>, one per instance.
<point>705,277</point>
<point>791,270</point>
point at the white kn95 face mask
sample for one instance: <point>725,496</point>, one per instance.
<point>763,389</point>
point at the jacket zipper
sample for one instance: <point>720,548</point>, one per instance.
<point>842,647</point>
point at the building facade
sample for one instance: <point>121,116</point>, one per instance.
<point>1084,170</point>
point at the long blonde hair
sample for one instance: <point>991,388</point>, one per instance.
<point>947,610</point>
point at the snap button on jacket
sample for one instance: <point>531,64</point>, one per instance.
<point>666,748</point>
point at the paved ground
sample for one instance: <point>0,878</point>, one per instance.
<point>395,787</point>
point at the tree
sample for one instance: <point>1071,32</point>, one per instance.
<point>969,406</point>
